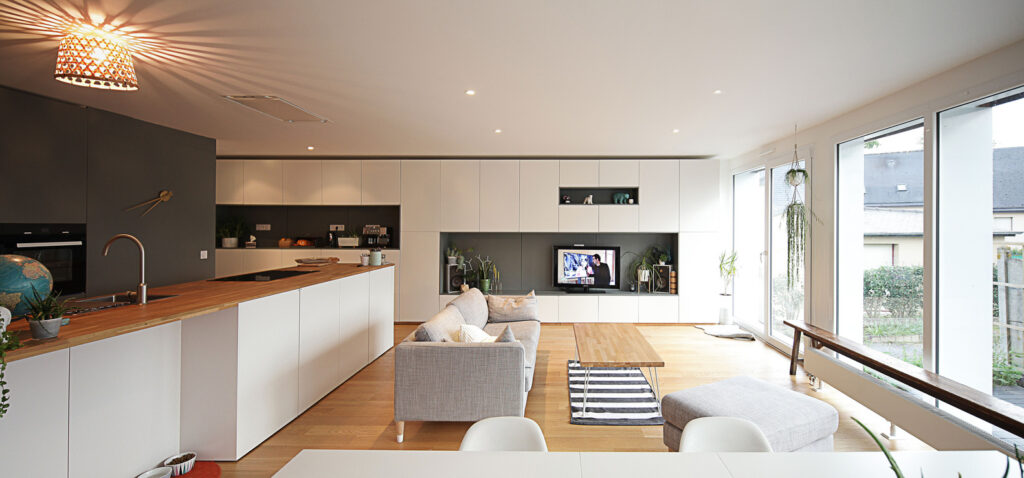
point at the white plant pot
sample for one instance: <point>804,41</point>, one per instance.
<point>452,260</point>
<point>229,242</point>
<point>725,309</point>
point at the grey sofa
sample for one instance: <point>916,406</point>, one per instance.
<point>438,379</point>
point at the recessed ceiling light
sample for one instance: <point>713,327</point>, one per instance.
<point>470,92</point>
<point>497,131</point>
<point>310,148</point>
<point>717,92</point>
<point>675,130</point>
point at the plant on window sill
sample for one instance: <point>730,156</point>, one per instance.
<point>8,341</point>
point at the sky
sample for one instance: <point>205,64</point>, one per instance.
<point>1007,131</point>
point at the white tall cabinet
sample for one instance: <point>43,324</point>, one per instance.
<point>579,173</point>
<point>658,204</point>
<point>262,181</point>
<point>460,198</point>
<point>538,195</point>
<point>421,211</point>
<point>420,276</point>
<point>499,195</point>
<point>619,173</point>
<point>229,181</point>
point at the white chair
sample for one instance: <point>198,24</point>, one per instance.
<point>504,434</point>
<point>723,434</point>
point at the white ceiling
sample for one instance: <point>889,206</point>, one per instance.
<point>559,77</point>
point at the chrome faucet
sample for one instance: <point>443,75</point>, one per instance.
<point>140,296</point>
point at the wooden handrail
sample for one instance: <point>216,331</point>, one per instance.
<point>998,412</point>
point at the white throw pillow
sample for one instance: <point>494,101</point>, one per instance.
<point>472,334</point>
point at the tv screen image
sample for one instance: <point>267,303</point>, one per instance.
<point>587,267</point>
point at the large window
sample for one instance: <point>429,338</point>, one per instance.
<point>880,241</point>
<point>980,244</point>
<point>748,242</point>
<point>787,256</point>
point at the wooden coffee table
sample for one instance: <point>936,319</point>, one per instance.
<point>615,345</point>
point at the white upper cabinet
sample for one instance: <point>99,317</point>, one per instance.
<point>578,218</point>
<point>302,183</point>
<point>659,196</point>
<point>579,173</point>
<point>460,198</point>
<point>342,182</point>
<point>229,181</point>
<point>698,195</point>
<point>538,195</point>
<point>620,173</point>
<point>499,195</point>
<point>616,218</point>
<point>381,181</point>
<point>421,186</point>
<point>262,181</point>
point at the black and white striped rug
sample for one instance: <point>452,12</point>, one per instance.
<point>615,396</point>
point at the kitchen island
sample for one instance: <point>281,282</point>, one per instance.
<point>216,369</point>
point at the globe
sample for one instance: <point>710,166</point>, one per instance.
<point>18,276</point>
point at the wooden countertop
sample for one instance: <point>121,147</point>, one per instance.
<point>193,298</point>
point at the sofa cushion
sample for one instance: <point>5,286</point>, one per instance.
<point>790,420</point>
<point>444,324</point>
<point>473,334</point>
<point>526,332</point>
<point>512,308</point>
<point>473,307</point>
<point>507,335</point>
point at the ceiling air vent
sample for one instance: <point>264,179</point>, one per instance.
<point>276,107</point>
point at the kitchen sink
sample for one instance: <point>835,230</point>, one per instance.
<point>103,302</point>
<point>263,276</point>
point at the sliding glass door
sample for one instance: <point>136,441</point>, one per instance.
<point>748,242</point>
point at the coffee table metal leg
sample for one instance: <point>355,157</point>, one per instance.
<point>653,371</point>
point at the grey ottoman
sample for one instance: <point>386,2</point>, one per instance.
<point>792,421</point>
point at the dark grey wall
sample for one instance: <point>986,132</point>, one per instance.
<point>61,162</point>
<point>131,161</point>
<point>42,159</point>
<point>312,221</point>
<point>525,260</point>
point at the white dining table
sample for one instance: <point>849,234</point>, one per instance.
<point>504,464</point>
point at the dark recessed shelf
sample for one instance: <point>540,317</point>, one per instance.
<point>602,196</point>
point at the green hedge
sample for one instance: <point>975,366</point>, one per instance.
<point>894,291</point>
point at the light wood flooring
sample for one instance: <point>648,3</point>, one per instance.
<point>358,414</point>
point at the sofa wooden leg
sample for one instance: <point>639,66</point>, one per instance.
<point>400,427</point>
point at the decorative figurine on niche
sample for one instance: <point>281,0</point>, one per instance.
<point>589,199</point>
<point>630,200</point>
<point>566,200</point>
<point>621,198</point>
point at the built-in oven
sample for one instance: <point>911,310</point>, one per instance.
<point>59,247</point>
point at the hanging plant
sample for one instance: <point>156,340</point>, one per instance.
<point>795,214</point>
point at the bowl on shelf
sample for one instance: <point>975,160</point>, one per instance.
<point>162,472</point>
<point>182,463</point>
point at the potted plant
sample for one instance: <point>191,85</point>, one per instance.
<point>8,341</point>
<point>453,254</point>
<point>642,268</point>
<point>727,270</point>
<point>229,229</point>
<point>46,313</point>
<point>487,274</point>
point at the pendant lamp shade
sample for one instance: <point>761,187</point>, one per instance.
<point>91,57</point>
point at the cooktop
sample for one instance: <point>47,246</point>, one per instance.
<point>263,276</point>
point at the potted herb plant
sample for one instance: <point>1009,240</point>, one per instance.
<point>46,313</point>
<point>8,341</point>
<point>229,229</point>
<point>727,271</point>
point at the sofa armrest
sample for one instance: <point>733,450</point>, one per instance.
<point>445,381</point>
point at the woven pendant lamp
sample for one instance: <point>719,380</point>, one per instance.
<point>91,57</point>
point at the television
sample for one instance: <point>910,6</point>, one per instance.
<point>580,268</point>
